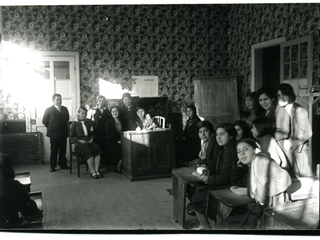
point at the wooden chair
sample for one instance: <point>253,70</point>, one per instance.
<point>159,121</point>
<point>76,155</point>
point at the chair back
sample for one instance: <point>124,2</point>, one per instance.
<point>159,121</point>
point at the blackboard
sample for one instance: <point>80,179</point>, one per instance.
<point>23,148</point>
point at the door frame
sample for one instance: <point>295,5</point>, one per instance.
<point>75,57</point>
<point>256,61</point>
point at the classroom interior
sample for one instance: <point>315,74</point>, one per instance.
<point>105,46</point>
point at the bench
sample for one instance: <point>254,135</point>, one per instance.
<point>24,179</point>
<point>37,197</point>
<point>300,215</point>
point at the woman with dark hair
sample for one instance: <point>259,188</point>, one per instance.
<point>128,111</point>
<point>82,134</point>
<point>243,130</point>
<point>267,186</point>
<point>255,109</point>
<point>113,142</point>
<point>219,173</point>
<point>100,118</point>
<point>142,120</point>
<point>14,198</point>
<point>189,146</point>
<point>297,146</point>
<point>276,113</point>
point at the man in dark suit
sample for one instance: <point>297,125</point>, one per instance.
<point>56,120</point>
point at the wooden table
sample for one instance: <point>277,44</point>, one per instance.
<point>181,177</point>
<point>24,179</point>
<point>148,154</point>
<point>300,215</point>
<point>223,200</point>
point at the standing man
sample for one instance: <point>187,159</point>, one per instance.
<point>56,120</point>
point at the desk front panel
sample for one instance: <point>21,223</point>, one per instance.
<point>148,154</point>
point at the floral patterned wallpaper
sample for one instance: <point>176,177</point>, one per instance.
<point>174,42</point>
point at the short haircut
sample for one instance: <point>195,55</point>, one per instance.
<point>229,128</point>
<point>249,141</point>
<point>205,124</point>
<point>82,109</point>
<point>193,107</point>
<point>55,95</point>
<point>126,95</point>
<point>287,89</point>
<point>139,107</point>
<point>244,126</point>
<point>264,126</point>
<point>103,98</point>
<point>112,107</point>
<point>269,91</point>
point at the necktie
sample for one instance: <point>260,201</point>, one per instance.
<point>84,128</point>
<point>59,109</point>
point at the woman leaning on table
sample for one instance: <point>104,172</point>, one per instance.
<point>267,185</point>
<point>219,173</point>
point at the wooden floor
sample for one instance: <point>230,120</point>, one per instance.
<point>110,203</point>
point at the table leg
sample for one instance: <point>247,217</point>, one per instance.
<point>179,190</point>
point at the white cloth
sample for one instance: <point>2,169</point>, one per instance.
<point>84,128</point>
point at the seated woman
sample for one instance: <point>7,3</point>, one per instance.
<point>189,146</point>
<point>217,172</point>
<point>14,198</point>
<point>243,130</point>
<point>263,131</point>
<point>142,120</point>
<point>113,143</point>
<point>82,134</point>
<point>267,186</point>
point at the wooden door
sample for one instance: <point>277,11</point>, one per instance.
<point>216,99</point>
<point>296,66</point>
<point>54,73</point>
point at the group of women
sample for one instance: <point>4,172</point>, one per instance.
<point>96,132</point>
<point>262,152</point>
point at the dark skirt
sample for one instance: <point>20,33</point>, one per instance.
<point>114,151</point>
<point>87,151</point>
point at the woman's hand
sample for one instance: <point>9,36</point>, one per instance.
<point>201,177</point>
<point>83,141</point>
<point>138,129</point>
<point>90,141</point>
<point>119,141</point>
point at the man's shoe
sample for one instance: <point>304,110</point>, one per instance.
<point>64,167</point>
<point>52,169</point>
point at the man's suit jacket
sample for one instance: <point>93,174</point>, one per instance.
<point>56,122</point>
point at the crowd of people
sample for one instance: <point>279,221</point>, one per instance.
<point>263,151</point>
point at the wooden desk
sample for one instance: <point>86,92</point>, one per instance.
<point>300,215</point>
<point>24,179</point>
<point>181,177</point>
<point>148,154</point>
<point>222,201</point>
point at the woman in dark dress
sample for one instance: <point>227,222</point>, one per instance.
<point>113,128</point>
<point>14,198</point>
<point>82,134</point>
<point>189,146</point>
<point>127,111</point>
<point>100,118</point>
<point>219,172</point>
